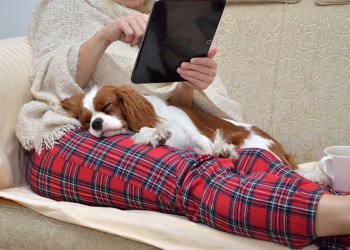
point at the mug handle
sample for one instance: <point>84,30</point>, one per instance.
<point>322,165</point>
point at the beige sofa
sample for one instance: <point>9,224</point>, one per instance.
<point>287,64</point>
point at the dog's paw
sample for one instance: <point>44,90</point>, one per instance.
<point>313,173</point>
<point>225,150</point>
<point>161,135</point>
<point>222,149</point>
<point>152,136</point>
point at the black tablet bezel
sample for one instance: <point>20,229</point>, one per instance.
<point>145,54</point>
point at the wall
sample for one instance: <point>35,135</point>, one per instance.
<point>15,17</point>
<point>289,67</point>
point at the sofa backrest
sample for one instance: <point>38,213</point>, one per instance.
<point>16,61</point>
<point>289,67</point>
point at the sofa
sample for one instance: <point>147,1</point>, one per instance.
<point>286,62</point>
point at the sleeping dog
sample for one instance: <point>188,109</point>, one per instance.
<point>107,111</point>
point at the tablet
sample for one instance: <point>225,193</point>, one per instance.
<point>177,31</point>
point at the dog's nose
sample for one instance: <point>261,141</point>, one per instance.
<point>97,124</point>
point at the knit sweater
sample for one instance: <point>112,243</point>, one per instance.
<point>58,28</point>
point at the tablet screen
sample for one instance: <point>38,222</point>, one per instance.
<point>177,31</point>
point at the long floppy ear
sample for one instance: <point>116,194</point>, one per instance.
<point>138,111</point>
<point>73,105</point>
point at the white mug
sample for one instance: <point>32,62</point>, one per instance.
<point>336,166</point>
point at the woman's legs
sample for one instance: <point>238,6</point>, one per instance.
<point>250,199</point>
<point>105,172</point>
<point>257,197</point>
<point>333,222</point>
<point>333,215</point>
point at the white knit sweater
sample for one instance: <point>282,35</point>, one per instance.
<point>57,30</point>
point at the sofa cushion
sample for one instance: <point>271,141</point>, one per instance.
<point>16,62</point>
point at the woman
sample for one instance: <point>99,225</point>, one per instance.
<point>81,43</point>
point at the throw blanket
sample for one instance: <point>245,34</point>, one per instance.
<point>57,30</point>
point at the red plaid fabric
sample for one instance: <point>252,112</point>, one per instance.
<point>255,196</point>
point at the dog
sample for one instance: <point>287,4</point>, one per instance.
<point>107,110</point>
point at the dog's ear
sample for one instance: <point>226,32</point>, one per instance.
<point>73,105</point>
<point>138,111</point>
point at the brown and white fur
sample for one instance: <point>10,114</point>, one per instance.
<point>108,111</point>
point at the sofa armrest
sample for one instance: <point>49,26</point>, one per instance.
<point>16,61</point>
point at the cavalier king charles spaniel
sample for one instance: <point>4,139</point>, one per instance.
<point>108,110</point>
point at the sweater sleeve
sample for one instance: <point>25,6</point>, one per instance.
<point>52,36</point>
<point>43,121</point>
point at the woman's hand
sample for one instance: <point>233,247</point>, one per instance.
<point>129,29</point>
<point>200,72</point>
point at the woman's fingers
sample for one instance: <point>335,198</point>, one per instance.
<point>129,29</point>
<point>191,69</point>
<point>139,24</point>
<point>199,72</point>
<point>135,34</point>
<point>212,52</point>
<point>133,27</point>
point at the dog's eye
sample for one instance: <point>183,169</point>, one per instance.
<point>106,108</point>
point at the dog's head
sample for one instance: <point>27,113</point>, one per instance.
<point>108,110</point>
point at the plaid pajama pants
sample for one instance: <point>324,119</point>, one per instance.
<point>255,196</point>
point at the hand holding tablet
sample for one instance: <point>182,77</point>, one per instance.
<point>177,31</point>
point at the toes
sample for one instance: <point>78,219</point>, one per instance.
<point>227,151</point>
<point>152,136</point>
<point>140,139</point>
<point>162,135</point>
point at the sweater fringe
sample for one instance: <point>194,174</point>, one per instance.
<point>47,142</point>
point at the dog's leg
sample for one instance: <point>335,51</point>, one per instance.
<point>313,173</point>
<point>152,136</point>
